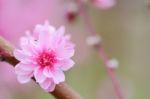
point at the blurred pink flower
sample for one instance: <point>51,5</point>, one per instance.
<point>104,4</point>
<point>44,55</point>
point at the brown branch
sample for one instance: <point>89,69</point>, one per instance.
<point>62,90</point>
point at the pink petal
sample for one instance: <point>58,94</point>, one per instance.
<point>58,76</point>
<point>26,67</point>
<point>44,39</point>
<point>28,45</point>
<point>69,52</point>
<point>65,50</point>
<point>38,29</point>
<point>63,53</point>
<point>20,55</point>
<point>39,76</point>
<point>20,69</point>
<point>45,36</point>
<point>24,42</point>
<point>49,28</point>
<point>47,72</point>
<point>41,29</point>
<point>51,87</point>
<point>58,38</point>
<point>48,85</point>
<point>69,45</point>
<point>66,64</point>
<point>24,78</point>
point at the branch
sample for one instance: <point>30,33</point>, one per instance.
<point>89,27</point>
<point>62,90</point>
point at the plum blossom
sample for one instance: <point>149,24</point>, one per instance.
<point>44,55</point>
<point>104,4</point>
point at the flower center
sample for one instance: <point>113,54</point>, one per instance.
<point>46,59</point>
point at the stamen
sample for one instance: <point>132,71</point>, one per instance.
<point>46,59</point>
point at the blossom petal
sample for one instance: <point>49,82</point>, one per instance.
<point>51,87</point>
<point>45,35</point>
<point>65,49</point>
<point>47,72</point>
<point>66,64</point>
<point>40,29</point>
<point>24,42</point>
<point>20,55</point>
<point>24,78</point>
<point>63,53</point>
<point>28,45</point>
<point>21,69</point>
<point>39,76</point>
<point>26,67</point>
<point>48,85</point>
<point>58,76</point>
<point>44,39</point>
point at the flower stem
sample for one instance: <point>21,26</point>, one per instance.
<point>111,73</point>
<point>100,50</point>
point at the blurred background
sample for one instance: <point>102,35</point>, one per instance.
<point>125,31</point>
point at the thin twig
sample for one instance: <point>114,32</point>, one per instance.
<point>62,90</point>
<point>100,50</point>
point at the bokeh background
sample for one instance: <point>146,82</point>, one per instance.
<point>125,31</point>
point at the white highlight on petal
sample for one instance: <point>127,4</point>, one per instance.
<point>113,63</point>
<point>93,40</point>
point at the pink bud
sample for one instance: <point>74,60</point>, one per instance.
<point>71,16</point>
<point>71,11</point>
<point>113,63</point>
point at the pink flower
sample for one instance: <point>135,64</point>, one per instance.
<point>104,4</point>
<point>44,56</point>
